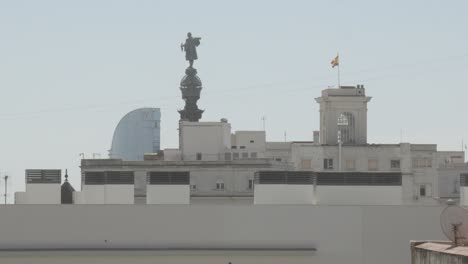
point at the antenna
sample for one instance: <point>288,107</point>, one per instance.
<point>454,224</point>
<point>263,119</point>
<point>6,187</point>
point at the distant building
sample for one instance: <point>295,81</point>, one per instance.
<point>214,164</point>
<point>137,133</point>
<point>437,252</point>
<point>42,187</point>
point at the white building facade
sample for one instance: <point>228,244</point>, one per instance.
<point>222,165</point>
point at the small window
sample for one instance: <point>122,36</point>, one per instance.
<point>219,185</point>
<point>350,164</point>
<point>306,164</point>
<point>422,190</point>
<point>199,156</point>
<point>251,141</point>
<point>253,155</point>
<point>227,156</point>
<point>251,184</point>
<point>422,163</point>
<point>193,187</point>
<point>278,159</point>
<point>328,164</point>
<point>394,164</point>
<point>235,155</point>
<point>234,147</point>
<point>372,164</point>
<point>245,155</point>
<point>242,147</point>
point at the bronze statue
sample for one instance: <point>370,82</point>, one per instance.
<point>190,48</point>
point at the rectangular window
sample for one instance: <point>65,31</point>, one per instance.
<point>253,155</point>
<point>251,141</point>
<point>422,163</point>
<point>227,156</point>
<point>199,156</point>
<point>278,159</point>
<point>242,147</point>
<point>251,184</point>
<point>350,164</point>
<point>372,164</point>
<point>306,164</point>
<point>328,164</point>
<point>219,185</point>
<point>422,190</point>
<point>245,155</point>
<point>235,155</point>
<point>234,147</point>
<point>394,164</point>
<point>194,187</point>
<point>428,163</point>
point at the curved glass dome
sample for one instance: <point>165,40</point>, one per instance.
<point>137,133</point>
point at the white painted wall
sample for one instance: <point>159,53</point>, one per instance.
<point>90,194</point>
<point>119,193</point>
<point>249,141</point>
<point>449,181</point>
<point>172,155</point>
<point>168,194</point>
<point>464,195</point>
<point>211,139</point>
<point>105,194</point>
<point>341,234</point>
<point>359,195</point>
<point>278,150</point>
<point>39,193</point>
<point>284,194</point>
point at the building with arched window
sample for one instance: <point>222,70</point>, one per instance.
<point>343,111</point>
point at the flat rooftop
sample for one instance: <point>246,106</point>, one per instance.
<point>443,247</point>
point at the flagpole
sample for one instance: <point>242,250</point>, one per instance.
<point>339,85</point>
<point>338,56</point>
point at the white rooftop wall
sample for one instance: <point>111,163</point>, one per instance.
<point>105,194</point>
<point>39,193</point>
<point>341,234</point>
<point>210,139</point>
<point>168,194</point>
<point>250,142</point>
<point>284,194</point>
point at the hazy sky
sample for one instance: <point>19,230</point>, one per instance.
<point>69,70</point>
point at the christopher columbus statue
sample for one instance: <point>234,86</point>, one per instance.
<point>190,47</point>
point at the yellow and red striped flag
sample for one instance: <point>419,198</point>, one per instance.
<point>335,61</point>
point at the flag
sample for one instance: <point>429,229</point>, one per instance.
<point>335,61</point>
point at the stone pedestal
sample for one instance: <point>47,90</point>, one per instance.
<point>190,86</point>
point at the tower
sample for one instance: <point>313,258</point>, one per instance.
<point>343,111</point>
<point>190,86</point>
<point>137,133</point>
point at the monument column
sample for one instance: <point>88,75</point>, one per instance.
<point>190,85</point>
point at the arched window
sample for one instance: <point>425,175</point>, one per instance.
<point>346,126</point>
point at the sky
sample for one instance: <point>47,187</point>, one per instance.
<point>70,70</point>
